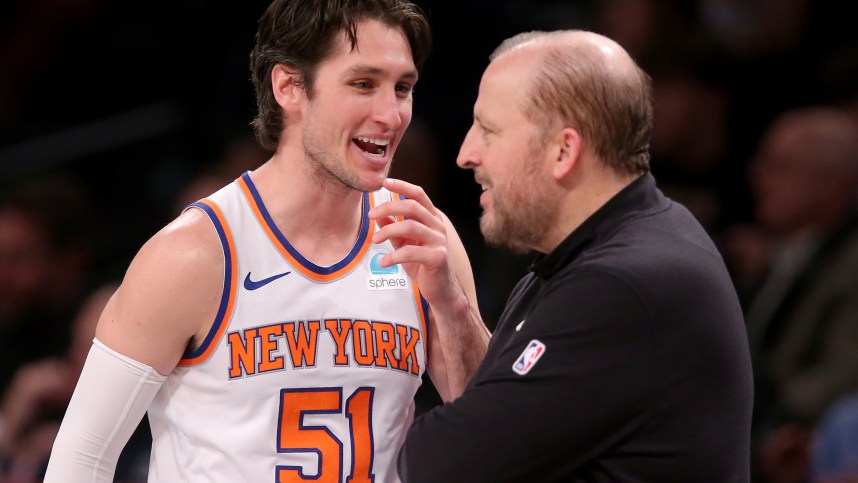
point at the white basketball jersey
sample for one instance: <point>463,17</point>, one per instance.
<point>307,374</point>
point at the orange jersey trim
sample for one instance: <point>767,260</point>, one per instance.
<point>306,267</point>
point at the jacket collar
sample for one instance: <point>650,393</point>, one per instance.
<point>638,198</point>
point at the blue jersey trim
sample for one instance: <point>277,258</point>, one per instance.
<point>364,229</point>
<point>227,285</point>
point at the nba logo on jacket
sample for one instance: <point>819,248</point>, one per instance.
<point>528,358</point>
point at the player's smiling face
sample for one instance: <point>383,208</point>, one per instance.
<point>360,108</point>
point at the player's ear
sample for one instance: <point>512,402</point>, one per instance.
<point>287,85</point>
<point>566,148</point>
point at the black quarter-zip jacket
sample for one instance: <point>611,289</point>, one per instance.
<point>621,357</point>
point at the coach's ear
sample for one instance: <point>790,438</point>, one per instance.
<point>288,87</point>
<point>566,150</point>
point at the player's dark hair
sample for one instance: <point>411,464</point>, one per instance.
<point>302,33</point>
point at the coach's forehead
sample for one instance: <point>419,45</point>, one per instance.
<point>609,53</point>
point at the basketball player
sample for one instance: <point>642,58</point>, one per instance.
<point>278,329</point>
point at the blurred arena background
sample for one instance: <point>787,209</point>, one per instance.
<point>136,108</point>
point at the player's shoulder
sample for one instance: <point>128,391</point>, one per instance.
<point>191,229</point>
<point>188,244</point>
<point>169,293</point>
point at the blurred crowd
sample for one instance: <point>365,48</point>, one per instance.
<point>115,115</point>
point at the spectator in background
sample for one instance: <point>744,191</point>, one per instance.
<point>803,317</point>
<point>46,242</point>
<point>690,139</point>
<point>32,406</point>
<point>834,457</point>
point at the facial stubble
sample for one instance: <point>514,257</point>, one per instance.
<point>523,208</point>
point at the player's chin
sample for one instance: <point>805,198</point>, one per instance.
<point>370,183</point>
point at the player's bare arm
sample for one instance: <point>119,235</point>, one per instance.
<point>431,252</point>
<point>169,295</point>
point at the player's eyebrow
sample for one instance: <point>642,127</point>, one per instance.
<point>366,69</point>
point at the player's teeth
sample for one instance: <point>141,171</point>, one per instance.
<point>379,142</point>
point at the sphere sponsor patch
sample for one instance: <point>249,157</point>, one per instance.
<point>384,278</point>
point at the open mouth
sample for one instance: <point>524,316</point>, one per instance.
<point>375,147</point>
<point>484,185</point>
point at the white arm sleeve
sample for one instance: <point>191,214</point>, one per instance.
<point>111,397</point>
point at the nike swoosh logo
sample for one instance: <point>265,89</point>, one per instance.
<point>253,285</point>
<point>517,327</point>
